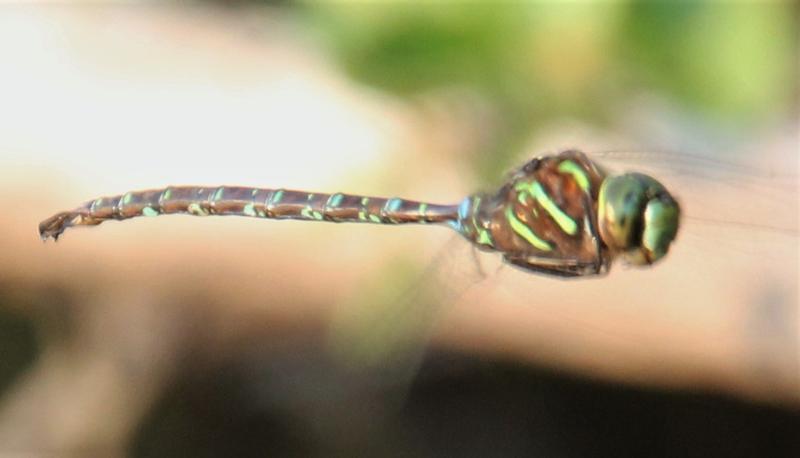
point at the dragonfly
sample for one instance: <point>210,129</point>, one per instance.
<point>563,216</point>
<point>560,215</point>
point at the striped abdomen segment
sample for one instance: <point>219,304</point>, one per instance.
<point>246,201</point>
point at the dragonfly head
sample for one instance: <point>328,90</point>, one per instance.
<point>637,217</point>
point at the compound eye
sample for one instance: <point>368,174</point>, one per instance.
<point>619,211</point>
<point>637,217</point>
<point>661,219</point>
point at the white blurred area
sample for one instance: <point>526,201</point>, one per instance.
<point>101,100</point>
<point>113,98</point>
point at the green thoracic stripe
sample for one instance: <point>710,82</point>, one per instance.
<point>577,173</point>
<point>476,201</point>
<point>564,221</point>
<point>484,238</point>
<point>525,232</point>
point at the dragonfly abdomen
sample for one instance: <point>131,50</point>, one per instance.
<point>252,202</point>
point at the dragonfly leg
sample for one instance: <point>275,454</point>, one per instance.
<point>555,267</point>
<point>477,260</point>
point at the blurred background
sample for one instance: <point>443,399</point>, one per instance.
<point>181,336</point>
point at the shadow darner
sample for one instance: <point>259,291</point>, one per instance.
<point>559,215</point>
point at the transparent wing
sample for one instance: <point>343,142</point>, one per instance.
<point>721,308</point>
<point>389,324</point>
<point>756,191</point>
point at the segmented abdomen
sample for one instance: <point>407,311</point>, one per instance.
<point>247,201</point>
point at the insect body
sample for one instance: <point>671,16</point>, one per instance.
<point>558,215</point>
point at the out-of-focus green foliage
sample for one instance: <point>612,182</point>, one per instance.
<point>732,62</point>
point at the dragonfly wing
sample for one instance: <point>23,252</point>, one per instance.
<point>389,326</point>
<point>720,308</point>
<point>761,192</point>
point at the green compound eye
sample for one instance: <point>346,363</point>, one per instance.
<point>637,217</point>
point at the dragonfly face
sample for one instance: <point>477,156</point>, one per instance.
<point>637,217</point>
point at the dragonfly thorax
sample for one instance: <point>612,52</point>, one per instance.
<point>563,215</point>
<point>637,217</point>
